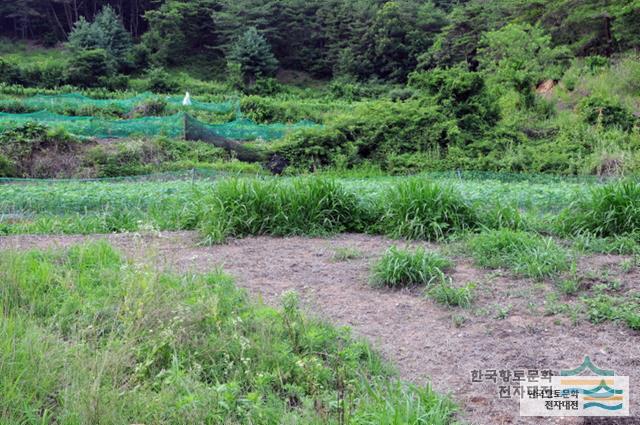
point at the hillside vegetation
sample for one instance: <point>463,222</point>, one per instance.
<point>405,86</point>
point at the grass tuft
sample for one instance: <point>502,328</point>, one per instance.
<point>401,268</point>
<point>527,254</point>
<point>445,293</point>
<point>419,209</point>
<point>301,206</point>
<point>610,210</point>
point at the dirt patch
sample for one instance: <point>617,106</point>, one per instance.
<point>506,328</point>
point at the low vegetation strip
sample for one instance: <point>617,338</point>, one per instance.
<point>411,208</point>
<point>87,337</point>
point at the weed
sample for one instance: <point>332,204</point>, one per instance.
<point>610,210</point>
<point>400,268</point>
<point>527,254</point>
<point>87,337</point>
<point>240,207</point>
<point>419,209</point>
<point>347,253</point>
<point>445,293</point>
<point>502,312</point>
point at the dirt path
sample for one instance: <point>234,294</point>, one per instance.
<point>506,328</point>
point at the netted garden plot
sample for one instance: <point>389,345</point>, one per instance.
<point>179,125</point>
<point>76,101</point>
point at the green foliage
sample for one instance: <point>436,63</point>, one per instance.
<point>603,307</point>
<point>520,56</point>
<point>420,209</point>
<point>20,143</point>
<point>159,81</point>
<point>445,293</point>
<point>88,67</point>
<point>527,254</point>
<point>609,210</point>
<point>400,268</point>
<point>240,207</point>
<point>106,32</point>
<point>606,112</point>
<point>463,95</point>
<point>85,328</point>
<point>253,53</point>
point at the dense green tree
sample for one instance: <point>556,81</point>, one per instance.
<point>520,56</point>
<point>253,53</point>
<point>106,32</point>
<point>182,31</point>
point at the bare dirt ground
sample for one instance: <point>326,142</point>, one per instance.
<point>505,329</point>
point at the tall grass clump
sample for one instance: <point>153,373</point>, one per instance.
<point>609,210</point>
<point>401,268</point>
<point>527,254</point>
<point>88,338</point>
<point>419,209</point>
<point>300,206</point>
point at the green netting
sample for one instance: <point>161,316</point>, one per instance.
<point>179,125</point>
<point>76,100</point>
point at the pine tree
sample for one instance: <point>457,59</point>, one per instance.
<point>254,54</point>
<point>106,32</point>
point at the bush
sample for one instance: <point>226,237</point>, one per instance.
<point>419,209</point>
<point>400,268</point>
<point>88,67</point>
<point>239,207</point>
<point>9,73</point>
<point>527,254</point>
<point>7,167</point>
<point>610,210</point>
<point>159,81</point>
<point>598,110</point>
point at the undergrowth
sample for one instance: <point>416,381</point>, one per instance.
<point>87,338</point>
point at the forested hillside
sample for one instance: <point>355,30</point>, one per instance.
<point>508,85</point>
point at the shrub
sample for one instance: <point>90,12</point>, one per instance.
<point>239,207</point>
<point>7,167</point>
<point>609,210</point>
<point>9,73</point>
<point>525,253</point>
<point>419,209</point>
<point>159,81</point>
<point>606,112</point>
<point>400,268</point>
<point>87,67</point>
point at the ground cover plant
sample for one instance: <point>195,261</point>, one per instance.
<point>88,337</point>
<point>527,254</point>
<point>402,267</point>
